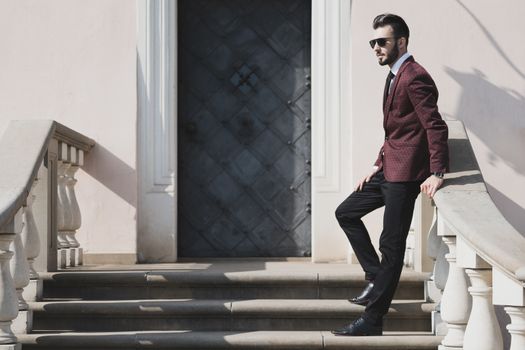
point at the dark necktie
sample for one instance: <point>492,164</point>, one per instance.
<point>387,86</point>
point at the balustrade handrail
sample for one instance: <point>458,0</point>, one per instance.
<point>468,209</point>
<point>22,149</point>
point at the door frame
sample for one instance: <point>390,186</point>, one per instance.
<point>157,128</point>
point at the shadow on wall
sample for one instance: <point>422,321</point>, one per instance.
<point>113,173</point>
<point>514,213</point>
<point>493,41</point>
<point>495,116</point>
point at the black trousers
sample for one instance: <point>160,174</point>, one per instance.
<point>398,199</point>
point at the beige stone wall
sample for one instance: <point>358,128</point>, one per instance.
<point>75,62</point>
<point>472,49</point>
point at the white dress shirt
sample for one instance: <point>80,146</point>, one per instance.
<point>396,66</point>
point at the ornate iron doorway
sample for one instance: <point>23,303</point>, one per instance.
<point>244,144</point>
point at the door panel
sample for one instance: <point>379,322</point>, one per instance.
<point>244,128</point>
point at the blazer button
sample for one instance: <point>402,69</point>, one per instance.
<point>386,138</point>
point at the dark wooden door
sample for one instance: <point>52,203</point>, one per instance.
<point>244,183</point>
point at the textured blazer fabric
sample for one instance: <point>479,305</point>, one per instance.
<point>415,134</point>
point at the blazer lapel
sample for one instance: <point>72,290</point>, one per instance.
<point>390,97</point>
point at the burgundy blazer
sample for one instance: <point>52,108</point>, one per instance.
<point>415,134</point>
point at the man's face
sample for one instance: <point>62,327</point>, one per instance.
<point>389,53</point>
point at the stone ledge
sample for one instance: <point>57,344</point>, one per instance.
<point>308,276</point>
<point>259,307</point>
<point>468,209</point>
<point>232,340</point>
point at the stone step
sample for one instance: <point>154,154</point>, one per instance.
<point>265,284</point>
<point>260,340</point>
<point>219,315</point>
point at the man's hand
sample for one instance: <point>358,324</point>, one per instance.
<point>367,178</point>
<point>431,185</point>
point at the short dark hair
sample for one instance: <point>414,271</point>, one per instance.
<point>397,23</point>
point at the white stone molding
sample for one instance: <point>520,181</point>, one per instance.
<point>330,89</point>
<point>157,52</point>
<point>331,125</point>
<point>507,290</point>
<point>456,302</point>
<point>157,130</point>
<point>516,327</point>
<point>467,257</point>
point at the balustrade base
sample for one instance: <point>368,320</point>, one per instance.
<point>517,327</point>
<point>79,256</point>
<point>62,258</point>
<point>23,323</point>
<point>11,346</point>
<point>70,257</point>
<point>444,347</point>
<point>439,327</point>
<point>432,292</point>
<point>34,290</point>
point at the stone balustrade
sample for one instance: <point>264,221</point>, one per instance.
<point>33,153</point>
<point>70,159</point>
<point>485,263</point>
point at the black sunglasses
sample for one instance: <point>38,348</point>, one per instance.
<point>381,42</point>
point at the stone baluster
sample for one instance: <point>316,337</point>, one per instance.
<point>8,294</point>
<point>64,217</point>
<point>482,332</point>
<point>63,244</point>
<point>516,327</point>
<point>456,302</point>
<point>31,242</point>
<point>509,292</point>
<point>20,272</point>
<point>77,160</point>
<point>436,250</point>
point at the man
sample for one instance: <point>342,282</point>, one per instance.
<point>413,158</point>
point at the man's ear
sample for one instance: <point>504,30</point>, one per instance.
<point>402,42</point>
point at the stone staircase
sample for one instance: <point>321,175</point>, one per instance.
<point>220,305</point>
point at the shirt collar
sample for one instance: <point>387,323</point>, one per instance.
<point>399,62</point>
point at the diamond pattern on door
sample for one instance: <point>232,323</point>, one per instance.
<point>244,128</point>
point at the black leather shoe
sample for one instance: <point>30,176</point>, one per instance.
<point>359,327</point>
<point>364,297</point>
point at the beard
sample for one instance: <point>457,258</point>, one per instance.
<point>391,57</point>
